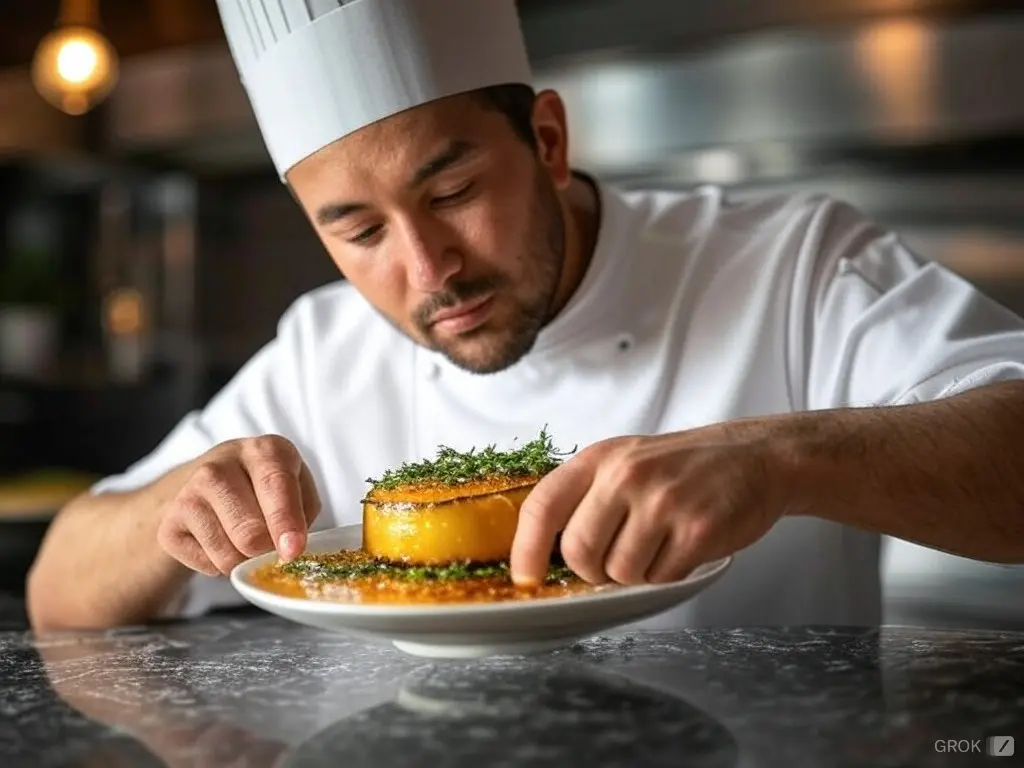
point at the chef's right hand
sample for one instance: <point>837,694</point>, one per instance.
<point>241,498</point>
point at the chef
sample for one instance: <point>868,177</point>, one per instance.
<point>777,379</point>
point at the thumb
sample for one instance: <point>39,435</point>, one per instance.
<point>543,514</point>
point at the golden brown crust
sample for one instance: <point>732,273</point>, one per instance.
<point>438,493</point>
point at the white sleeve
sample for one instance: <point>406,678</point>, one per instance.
<point>876,324</point>
<point>265,397</point>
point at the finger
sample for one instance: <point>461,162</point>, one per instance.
<point>634,548</point>
<point>183,547</point>
<point>543,514</point>
<point>310,496</point>
<point>204,525</point>
<point>274,467</point>
<point>675,560</point>
<point>280,497</point>
<point>590,532</point>
<point>235,503</point>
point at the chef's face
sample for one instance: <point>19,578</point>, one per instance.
<point>449,223</point>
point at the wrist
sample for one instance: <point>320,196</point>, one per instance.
<point>816,459</point>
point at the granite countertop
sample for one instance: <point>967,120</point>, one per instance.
<point>257,691</point>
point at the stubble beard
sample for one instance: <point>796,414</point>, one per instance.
<point>489,349</point>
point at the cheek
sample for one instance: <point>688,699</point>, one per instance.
<point>493,230</point>
<point>378,280</point>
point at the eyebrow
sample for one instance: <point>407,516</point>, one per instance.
<point>454,153</point>
<point>332,212</point>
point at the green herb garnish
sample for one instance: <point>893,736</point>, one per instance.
<point>450,467</point>
<point>350,569</point>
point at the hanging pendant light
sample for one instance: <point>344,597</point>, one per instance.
<point>75,67</point>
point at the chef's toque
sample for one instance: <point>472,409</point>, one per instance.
<point>318,70</point>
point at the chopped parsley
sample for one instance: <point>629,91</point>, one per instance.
<point>451,467</point>
<point>353,565</point>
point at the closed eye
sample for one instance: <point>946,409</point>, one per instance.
<point>366,234</point>
<point>454,196</point>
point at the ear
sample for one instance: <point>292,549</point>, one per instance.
<point>550,128</point>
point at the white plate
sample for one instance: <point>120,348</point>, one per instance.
<point>473,630</point>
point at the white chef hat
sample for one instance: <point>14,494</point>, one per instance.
<point>317,70</point>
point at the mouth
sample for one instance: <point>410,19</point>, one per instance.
<point>463,317</point>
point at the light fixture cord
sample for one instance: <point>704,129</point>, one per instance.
<point>79,13</point>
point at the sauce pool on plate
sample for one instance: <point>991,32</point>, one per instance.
<point>354,576</point>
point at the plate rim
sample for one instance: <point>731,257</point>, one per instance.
<point>713,570</point>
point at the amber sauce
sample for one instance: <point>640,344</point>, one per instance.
<point>384,588</point>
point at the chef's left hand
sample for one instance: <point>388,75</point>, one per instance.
<point>637,510</point>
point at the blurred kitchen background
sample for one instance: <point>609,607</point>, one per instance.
<point>148,248</point>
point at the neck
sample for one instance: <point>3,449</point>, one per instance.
<point>581,208</point>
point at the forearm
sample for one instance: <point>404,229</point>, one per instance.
<point>100,564</point>
<point>947,474</point>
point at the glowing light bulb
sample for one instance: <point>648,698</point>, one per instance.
<point>125,312</point>
<point>76,61</point>
<point>75,68</point>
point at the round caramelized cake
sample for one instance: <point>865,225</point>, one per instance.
<point>434,523</point>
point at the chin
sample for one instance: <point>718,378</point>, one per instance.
<point>480,353</point>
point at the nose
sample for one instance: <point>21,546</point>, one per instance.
<point>431,258</point>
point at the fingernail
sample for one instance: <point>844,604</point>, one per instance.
<point>290,546</point>
<point>524,580</point>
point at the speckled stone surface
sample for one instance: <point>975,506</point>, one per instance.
<point>257,691</point>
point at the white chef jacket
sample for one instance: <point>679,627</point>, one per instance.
<point>695,309</point>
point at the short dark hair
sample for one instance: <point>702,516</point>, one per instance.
<point>515,102</point>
